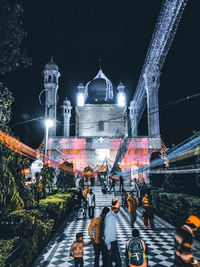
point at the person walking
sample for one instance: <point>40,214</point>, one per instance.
<point>80,195</point>
<point>183,240</point>
<point>148,211</point>
<point>84,208</point>
<point>132,207</point>
<point>76,204</point>
<point>121,183</point>
<point>97,225</point>
<point>112,185</point>
<point>124,199</point>
<point>76,250</point>
<point>136,251</point>
<point>110,235</point>
<point>91,203</point>
<point>86,192</point>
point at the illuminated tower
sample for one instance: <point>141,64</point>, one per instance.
<point>121,98</point>
<point>81,95</point>
<point>66,114</point>
<point>51,75</point>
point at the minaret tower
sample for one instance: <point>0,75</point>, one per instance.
<point>66,114</point>
<point>51,75</point>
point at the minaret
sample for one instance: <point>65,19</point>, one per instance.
<point>66,114</point>
<point>81,96</point>
<point>121,98</point>
<point>51,75</point>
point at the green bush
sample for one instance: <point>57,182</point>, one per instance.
<point>6,247</point>
<point>35,227</point>
<point>174,207</point>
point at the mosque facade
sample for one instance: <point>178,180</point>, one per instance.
<point>102,120</point>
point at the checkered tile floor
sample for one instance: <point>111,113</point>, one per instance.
<point>160,241</point>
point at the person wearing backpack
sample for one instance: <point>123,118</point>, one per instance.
<point>136,251</point>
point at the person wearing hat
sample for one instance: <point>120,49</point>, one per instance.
<point>110,235</point>
<point>183,240</point>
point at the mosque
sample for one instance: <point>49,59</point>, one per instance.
<point>102,121</point>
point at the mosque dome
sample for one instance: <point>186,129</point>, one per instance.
<point>51,65</point>
<point>100,89</point>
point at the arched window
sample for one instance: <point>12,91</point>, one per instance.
<point>101,126</point>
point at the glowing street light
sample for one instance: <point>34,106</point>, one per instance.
<point>121,99</point>
<point>48,123</point>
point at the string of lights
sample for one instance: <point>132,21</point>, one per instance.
<point>164,32</point>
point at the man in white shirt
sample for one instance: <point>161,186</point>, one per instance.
<point>110,235</point>
<point>91,203</point>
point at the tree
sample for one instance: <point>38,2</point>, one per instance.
<point>6,101</point>
<point>12,56</point>
<point>10,198</point>
<point>48,174</point>
<point>65,178</point>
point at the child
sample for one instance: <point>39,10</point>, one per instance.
<point>76,250</point>
<point>136,251</point>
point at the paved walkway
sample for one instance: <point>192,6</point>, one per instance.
<point>160,241</point>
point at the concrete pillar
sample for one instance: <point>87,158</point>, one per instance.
<point>152,84</point>
<point>133,118</point>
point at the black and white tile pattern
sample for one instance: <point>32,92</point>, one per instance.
<point>160,241</point>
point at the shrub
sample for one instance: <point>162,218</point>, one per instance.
<point>6,247</point>
<point>174,207</point>
<point>34,228</point>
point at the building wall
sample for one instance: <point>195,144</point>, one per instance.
<point>101,120</point>
<point>92,151</point>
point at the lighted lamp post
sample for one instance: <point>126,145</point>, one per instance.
<point>48,124</point>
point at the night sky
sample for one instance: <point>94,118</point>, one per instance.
<point>78,33</point>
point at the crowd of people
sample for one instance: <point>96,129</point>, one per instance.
<point>103,234</point>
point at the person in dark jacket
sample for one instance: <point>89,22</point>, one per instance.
<point>121,183</point>
<point>183,241</point>
<point>76,204</point>
<point>112,185</point>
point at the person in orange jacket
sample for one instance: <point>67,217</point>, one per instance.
<point>183,240</point>
<point>132,207</point>
<point>76,250</point>
<point>148,211</point>
<point>87,189</point>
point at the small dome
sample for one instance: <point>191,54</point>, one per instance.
<point>97,91</point>
<point>51,65</point>
<point>66,102</point>
<point>100,89</point>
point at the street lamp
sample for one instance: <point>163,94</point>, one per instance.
<point>48,123</point>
